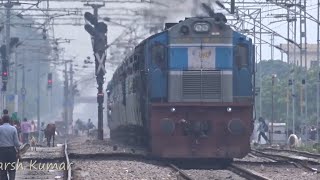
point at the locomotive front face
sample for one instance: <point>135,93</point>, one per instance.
<point>200,61</point>
<point>209,98</point>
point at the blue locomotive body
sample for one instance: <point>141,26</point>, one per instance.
<point>187,92</point>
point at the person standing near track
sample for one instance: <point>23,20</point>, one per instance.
<point>25,129</point>
<point>9,149</point>
<point>5,112</point>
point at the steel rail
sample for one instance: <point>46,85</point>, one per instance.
<point>280,163</point>
<point>68,173</point>
<point>181,173</point>
<point>250,175</point>
<point>301,162</point>
<point>302,153</point>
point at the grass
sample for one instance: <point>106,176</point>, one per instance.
<point>310,148</point>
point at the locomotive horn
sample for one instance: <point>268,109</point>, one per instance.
<point>208,9</point>
<point>220,18</point>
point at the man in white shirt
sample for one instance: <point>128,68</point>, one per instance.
<point>9,149</point>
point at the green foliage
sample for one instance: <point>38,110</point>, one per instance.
<point>282,92</point>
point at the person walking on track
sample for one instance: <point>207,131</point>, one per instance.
<point>262,129</point>
<point>9,149</point>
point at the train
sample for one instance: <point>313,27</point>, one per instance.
<point>186,92</point>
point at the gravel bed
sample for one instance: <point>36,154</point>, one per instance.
<point>252,158</point>
<point>115,169</point>
<point>212,174</point>
<point>87,146</point>
<point>283,172</point>
<point>44,152</point>
<point>31,170</point>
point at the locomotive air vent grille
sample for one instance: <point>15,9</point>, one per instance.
<point>201,85</point>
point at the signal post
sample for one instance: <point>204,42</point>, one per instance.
<point>98,31</point>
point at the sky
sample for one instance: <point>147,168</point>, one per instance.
<point>80,47</point>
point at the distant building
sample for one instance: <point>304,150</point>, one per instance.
<point>311,55</point>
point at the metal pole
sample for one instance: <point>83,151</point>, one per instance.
<point>16,97</point>
<point>256,62</point>
<point>301,64</point>
<point>260,67</point>
<point>50,100</point>
<point>288,60</point>
<point>318,64</point>
<point>38,98</point>
<point>305,58</point>
<point>293,96</point>
<point>15,72</point>
<point>8,7</point>
<point>23,89</point>
<point>272,109</point>
<point>71,95</point>
<point>99,51</point>
<point>272,46</point>
<point>66,97</point>
<point>100,80</point>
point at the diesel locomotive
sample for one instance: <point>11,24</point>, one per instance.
<point>186,92</point>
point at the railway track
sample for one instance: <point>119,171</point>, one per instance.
<point>181,175</point>
<point>300,153</point>
<point>106,154</point>
<point>232,170</point>
<point>298,161</point>
<point>248,174</point>
<point>45,163</point>
<point>238,169</point>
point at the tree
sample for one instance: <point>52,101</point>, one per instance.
<point>282,91</point>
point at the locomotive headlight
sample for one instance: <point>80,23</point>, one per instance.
<point>173,109</point>
<point>229,109</point>
<point>201,27</point>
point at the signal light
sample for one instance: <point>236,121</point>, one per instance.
<point>91,18</point>
<point>5,76</point>
<point>290,82</point>
<point>49,80</point>
<point>303,81</point>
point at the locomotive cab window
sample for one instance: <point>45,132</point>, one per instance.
<point>158,55</point>
<point>241,56</point>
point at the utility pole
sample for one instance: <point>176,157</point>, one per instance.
<point>318,68</point>
<point>98,35</point>
<point>49,87</point>
<point>38,98</point>
<point>8,7</point>
<point>23,88</point>
<point>65,104</point>
<point>71,96</point>
<point>260,66</point>
<point>288,61</point>
<point>6,60</point>
<point>303,54</point>
<point>295,63</point>
<point>272,107</point>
